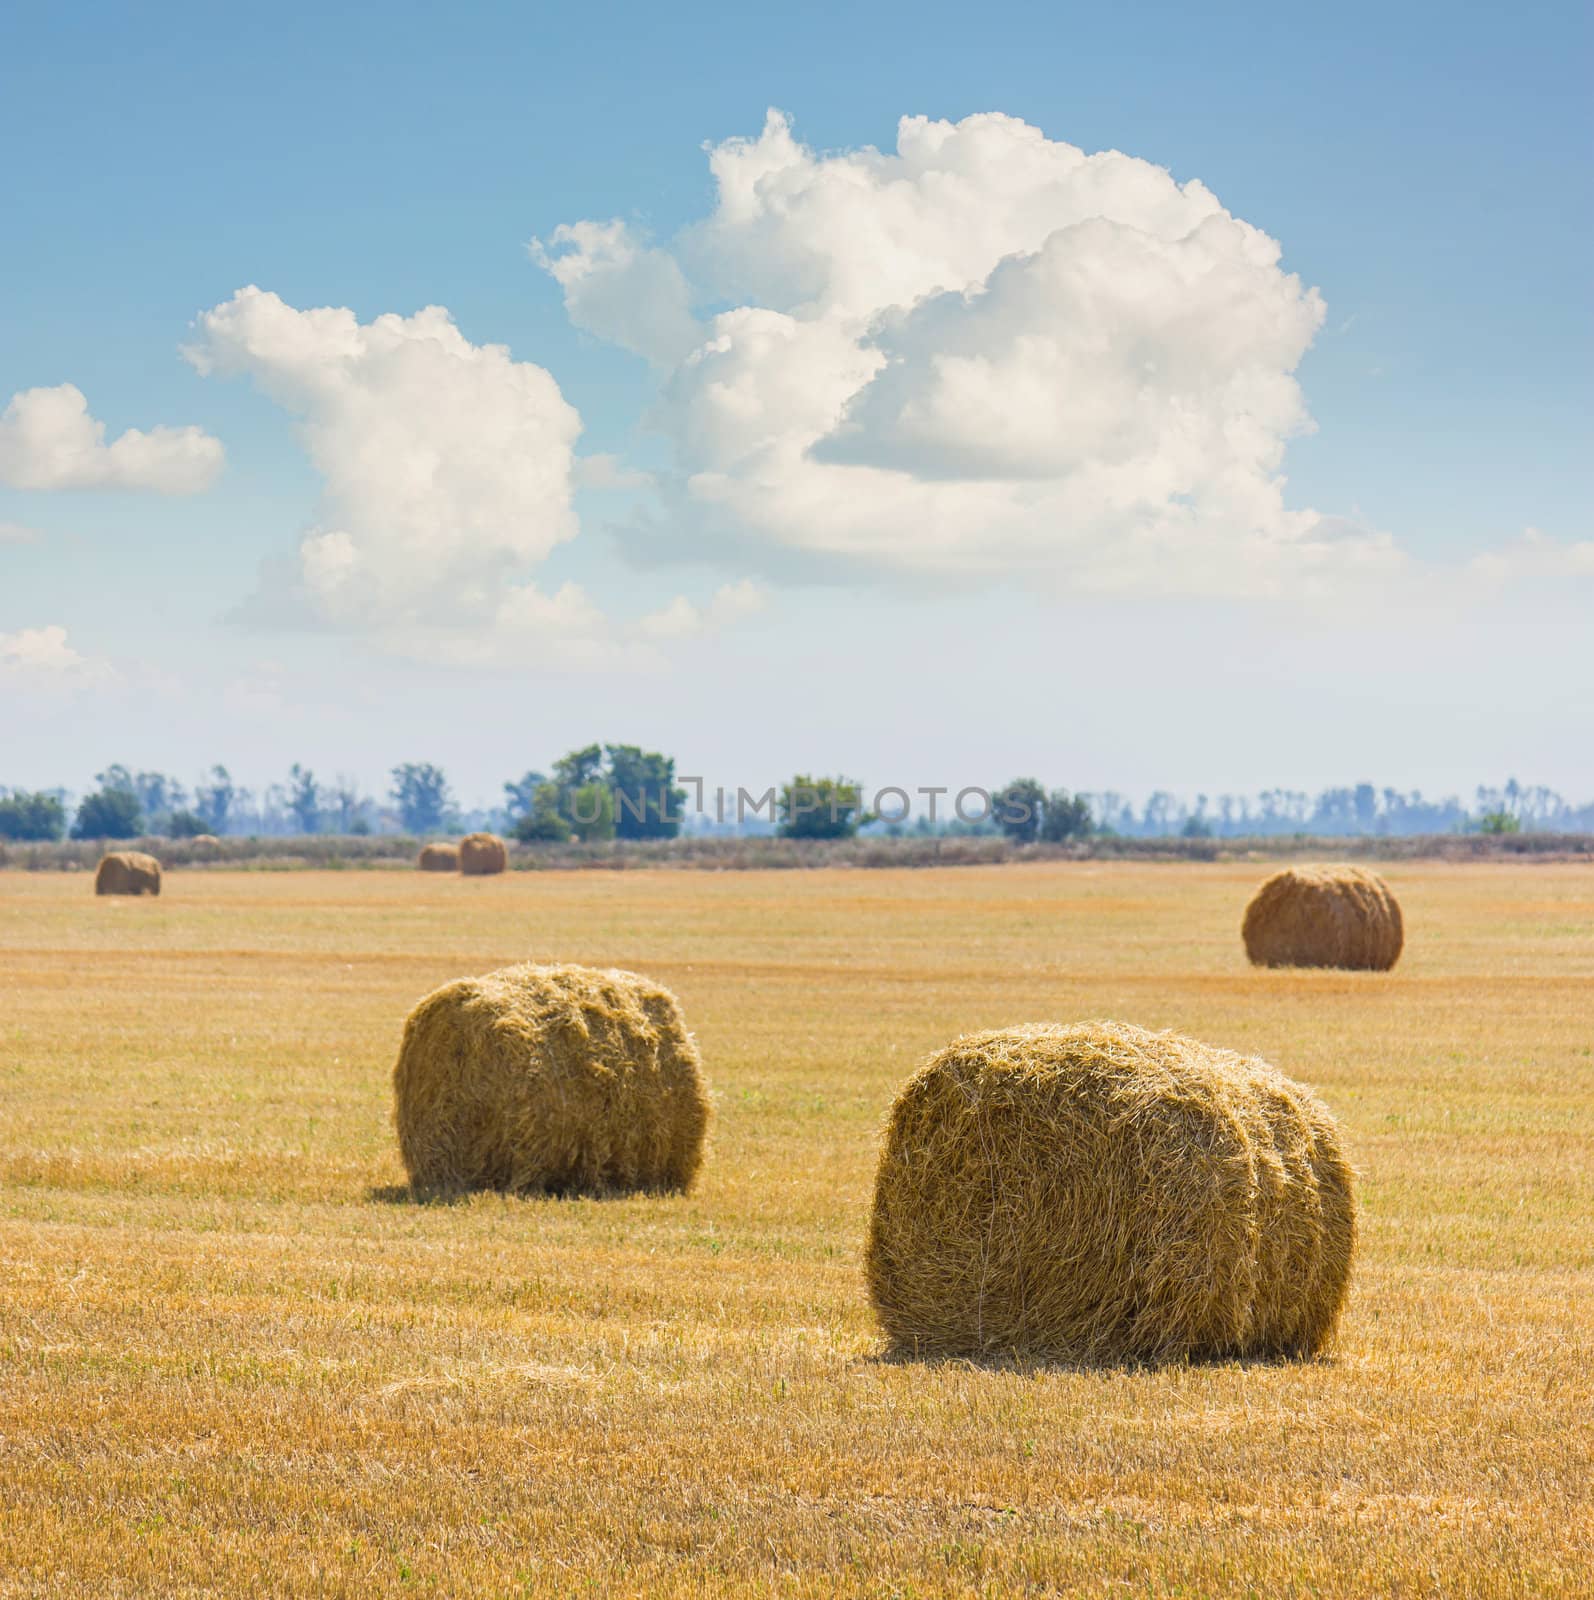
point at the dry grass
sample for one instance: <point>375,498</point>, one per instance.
<point>235,1359</point>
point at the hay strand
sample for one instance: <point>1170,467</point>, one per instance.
<point>1324,917</point>
<point>127,872</point>
<point>1100,1193</point>
<point>555,1079</point>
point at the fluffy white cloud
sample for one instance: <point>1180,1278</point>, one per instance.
<point>620,289</point>
<point>1534,554</point>
<point>447,465</point>
<point>48,440</point>
<point>44,659</point>
<point>681,619</point>
<point>985,353</point>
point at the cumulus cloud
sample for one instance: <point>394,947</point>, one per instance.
<point>620,288</point>
<point>681,619</point>
<point>447,465</point>
<point>985,353</point>
<point>45,659</point>
<point>1534,554</point>
<point>48,440</point>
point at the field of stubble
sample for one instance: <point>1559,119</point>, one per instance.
<point>236,1359</point>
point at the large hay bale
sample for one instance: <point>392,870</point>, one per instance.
<point>1324,917</point>
<point>482,854</point>
<point>128,872</point>
<point>1100,1193</point>
<point>438,858</point>
<point>560,1079</point>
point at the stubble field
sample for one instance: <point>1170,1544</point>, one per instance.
<point>236,1358</point>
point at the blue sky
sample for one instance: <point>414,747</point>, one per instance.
<point>1425,170</point>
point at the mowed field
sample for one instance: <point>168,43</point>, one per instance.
<point>236,1358</point>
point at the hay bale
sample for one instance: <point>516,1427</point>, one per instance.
<point>128,872</point>
<point>482,854</point>
<point>1324,917</point>
<point>558,1079</point>
<point>438,858</point>
<point>1100,1193</point>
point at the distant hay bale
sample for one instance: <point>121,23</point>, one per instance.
<point>438,858</point>
<point>1099,1193</point>
<point>482,854</point>
<point>1324,917</point>
<point>128,872</point>
<point>558,1079</point>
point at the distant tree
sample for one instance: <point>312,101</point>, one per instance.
<point>647,802</point>
<point>580,767</point>
<point>214,799</point>
<point>304,799</point>
<point>541,822</point>
<point>1066,817</point>
<point>420,791</point>
<point>520,794</point>
<point>591,812</point>
<point>1017,808</point>
<point>345,806</point>
<point>158,795</point>
<point>31,816</point>
<point>821,808</point>
<point>108,814</point>
<point>1196,827</point>
<point>185,825</point>
<point>1499,822</point>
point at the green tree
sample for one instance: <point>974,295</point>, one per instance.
<point>647,802</point>
<point>420,791</point>
<point>520,794</point>
<point>591,812</point>
<point>185,825</point>
<point>541,822</point>
<point>579,768</point>
<point>821,808</point>
<point>1066,817</point>
<point>1499,822</point>
<point>1017,809</point>
<point>304,798</point>
<point>31,816</point>
<point>108,814</point>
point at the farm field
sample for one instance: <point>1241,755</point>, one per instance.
<point>236,1358</point>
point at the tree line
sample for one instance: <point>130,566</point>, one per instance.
<point>621,791</point>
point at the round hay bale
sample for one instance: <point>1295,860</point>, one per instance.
<point>482,854</point>
<point>1099,1193</point>
<point>128,872</point>
<point>1324,917</point>
<point>438,858</point>
<point>558,1079</point>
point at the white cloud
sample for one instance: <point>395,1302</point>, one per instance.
<point>1534,554</point>
<point>983,354</point>
<point>16,533</point>
<point>447,465</point>
<point>48,440</point>
<point>681,619</point>
<point>620,289</point>
<point>44,659</point>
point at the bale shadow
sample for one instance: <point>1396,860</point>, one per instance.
<point>404,1194</point>
<point>1029,1366</point>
